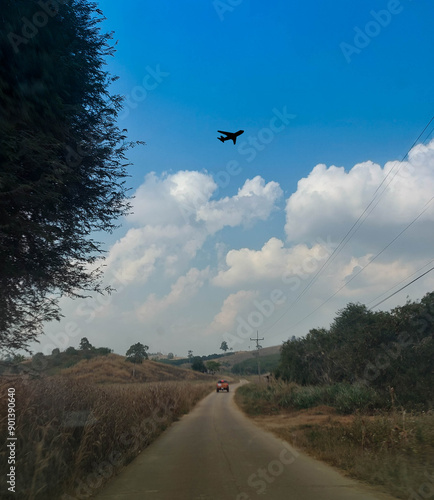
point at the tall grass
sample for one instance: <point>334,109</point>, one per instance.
<point>273,397</point>
<point>74,435</point>
<point>379,444</point>
<point>392,450</point>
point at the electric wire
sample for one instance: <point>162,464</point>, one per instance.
<point>352,231</point>
<point>402,288</point>
<point>364,267</point>
<point>399,282</point>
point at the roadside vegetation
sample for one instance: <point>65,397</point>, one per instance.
<point>375,441</point>
<point>359,395</point>
<point>74,435</point>
<point>382,350</point>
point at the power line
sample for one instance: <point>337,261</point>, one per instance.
<point>399,282</point>
<point>352,231</point>
<point>364,267</point>
<point>402,288</point>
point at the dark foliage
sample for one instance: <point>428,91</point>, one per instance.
<point>62,160</point>
<point>137,353</point>
<point>389,351</point>
<point>198,365</point>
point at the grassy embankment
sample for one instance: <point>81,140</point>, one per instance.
<point>75,434</point>
<point>389,447</point>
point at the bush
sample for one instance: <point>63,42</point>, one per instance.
<point>345,398</point>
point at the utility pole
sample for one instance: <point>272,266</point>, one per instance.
<point>257,339</point>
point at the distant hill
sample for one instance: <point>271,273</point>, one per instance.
<point>185,362</point>
<point>268,364</point>
<point>114,369</point>
<point>241,356</point>
<point>230,359</point>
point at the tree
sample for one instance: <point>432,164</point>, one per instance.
<point>213,366</point>
<point>190,356</point>
<point>18,358</point>
<point>224,346</point>
<point>137,353</point>
<point>85,345</point>
<point>170,355</point>
<point>62,161</point>
<point>198,365</point>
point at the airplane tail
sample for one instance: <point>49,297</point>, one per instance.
<point>221,138</point>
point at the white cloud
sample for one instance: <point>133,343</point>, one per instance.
<point>234,305</point>
<point>177,290</point>
<point>171,199</point>
<point>255,200</point>
<point>130,259</point>
<point>330,198</point>
<point>173,217</point>
<point>272,262</point>
<point>184,289</point>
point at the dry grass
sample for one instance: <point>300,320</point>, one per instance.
<point>114,369</point>
<point>394,450</point>
<point>74,435</point>
<point>391,450</point>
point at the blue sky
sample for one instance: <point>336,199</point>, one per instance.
<point>338,84</point>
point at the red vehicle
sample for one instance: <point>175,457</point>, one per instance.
<point>222,385</point>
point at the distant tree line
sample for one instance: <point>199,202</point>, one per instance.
<point>389,351</point>
<point>249,366</point>
<point>183,361</point>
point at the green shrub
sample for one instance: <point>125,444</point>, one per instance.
<point>346,398</point>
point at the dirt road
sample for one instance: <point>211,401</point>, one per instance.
<point>216,453</point>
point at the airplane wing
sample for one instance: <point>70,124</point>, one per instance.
<point>226,133</point>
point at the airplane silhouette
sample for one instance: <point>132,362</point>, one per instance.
<point>229,135</point>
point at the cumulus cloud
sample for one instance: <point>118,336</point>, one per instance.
<point>272,262</point>
<point>164,287</point>
<point>330,197</point>
<point>255,200</point>
<point>171,199</point>
<point>234,305</point>
<point>184,289</point>
<point>173,215</point>
<point>134,257</point>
